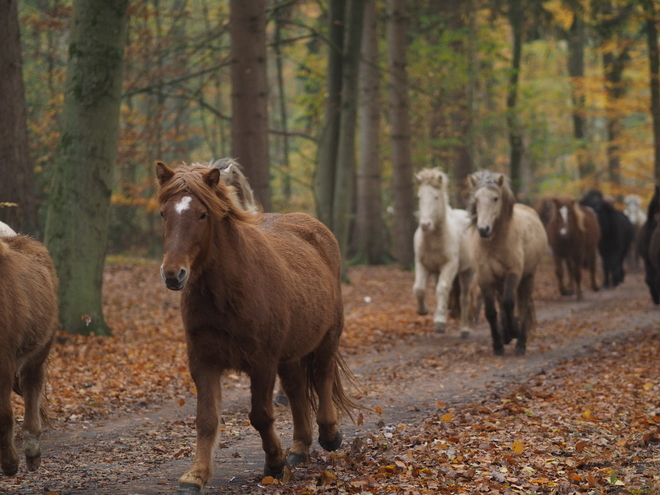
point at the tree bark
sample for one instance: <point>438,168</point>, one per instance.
<point>614,89</point>
<point>250,94</point>
<point>654,69</point>
<point>345,169</point>
<point>575,37</point>
<point>515,133</point>
<point>404,200</point>
<point>370,228</point>
<point>286,169</point>
<point>329,140</point>
<point>77,224</point>
<point>17,184</point>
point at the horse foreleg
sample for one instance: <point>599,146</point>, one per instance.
<point>526,310</point>
<point>293,379</point>
<point>575,273</point>
<point>465,279</point>
<point>491,315</point>
<point>209,400</point>
<point>591,265</point>
<point>262,418</point>
<point>445,281</point>
<point>419,287</point>
<point>559,273</point>
<point>8,454</point>
<point>32,378</point>
<point>510,325</point>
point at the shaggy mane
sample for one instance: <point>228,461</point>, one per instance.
<point>218,200</point>
<point>435,178</point>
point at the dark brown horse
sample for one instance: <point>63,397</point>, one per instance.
<point>262,296</point>
<point>28,321</point>
<point>573,234</point>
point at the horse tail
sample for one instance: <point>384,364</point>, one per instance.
<point>342,400</point>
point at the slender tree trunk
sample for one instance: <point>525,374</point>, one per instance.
<point>79,202</point>
<point>328,143</point>
<point>250,94</point>
<point>515,133</point>
<point>576,73</point>
<point>286,172</point>
<point>614,90</point>
<point>370,229</point>
<point>652,41</point>
<point>345,171</point>
<point>404,200</point>
<point>17,183</point>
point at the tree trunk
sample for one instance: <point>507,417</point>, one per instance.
<point>370,229</point>
<point>652,41</point>
<point>576,72</point>
<point>515,134</point>
<point>345,169</point>
<point>614,90</point>
<point>17,184</point>
<point>250,94</point>
<point>404,200</point>
<point>77,225</point>
<point>277,46</point>
<point>328,143</point>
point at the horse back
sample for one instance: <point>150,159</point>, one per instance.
<point>28,296</point>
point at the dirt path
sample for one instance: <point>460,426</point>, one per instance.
<point>145,452</point>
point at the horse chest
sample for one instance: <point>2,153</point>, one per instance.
<point>434,251</point>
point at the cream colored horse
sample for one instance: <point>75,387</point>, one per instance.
<point>440,249</point>
<point>506,243</point>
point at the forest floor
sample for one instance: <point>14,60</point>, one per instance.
<point>578,413</point>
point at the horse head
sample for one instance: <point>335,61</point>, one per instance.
<point>432,194</point>
<point>491,201</point>
<point>188,198</point>
<point>567,215</point>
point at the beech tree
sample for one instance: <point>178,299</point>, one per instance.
<point>79,202</point>
<point>17,184</point>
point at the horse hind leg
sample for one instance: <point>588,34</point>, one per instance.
<point>575,272</point>
<point>32,378</point>
<point>8,454</point>
<point>294,381</point>
<point>465,282</point>
<point>559,273</point>
<point>510,322</point>
<point>490,311</point>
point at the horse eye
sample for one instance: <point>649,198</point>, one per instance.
<point>162,214</point>
<point>495,199</point>
<point>202,216</point>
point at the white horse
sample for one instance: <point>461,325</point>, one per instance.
<point>441,249</point>
<point>637,217</point>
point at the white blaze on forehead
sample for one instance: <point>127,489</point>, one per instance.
<point>182,205</point>
<point>564,213</point>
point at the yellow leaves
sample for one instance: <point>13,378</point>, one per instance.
<point>327,478</point>
<point>446,418</point>
<point>648,386</point>
<point>562,15</point>
<point>517,447</point>
<point>586,414</point>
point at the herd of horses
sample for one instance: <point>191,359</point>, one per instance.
<point>261,294</point>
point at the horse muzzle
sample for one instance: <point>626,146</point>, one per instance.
<point>485,232</point>
<point>176,282</point>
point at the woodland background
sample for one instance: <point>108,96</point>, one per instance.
<point>556,94</point>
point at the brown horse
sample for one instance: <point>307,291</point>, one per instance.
<point>28,321</point>
<point>262,296</point>
<point>573,234</point>
<point>506,242</point>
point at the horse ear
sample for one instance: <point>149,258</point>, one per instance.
<point>472,180</point>
<point>418,179</point>
<point>500,180</point>
<point>212,177</point>
<point>163,173</point>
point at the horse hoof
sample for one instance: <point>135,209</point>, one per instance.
<point>520,350</point>
<point>466,333</point>
<point>33,463</point>
<point>10,469</point>
<point>439,327</point>
<point>294,460</point>
<point>422,312</point>
<point>281,400</point>
<point>498,351</point>
<point>332,445</point>
<point>188,489</point>
<point>275,472</point>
